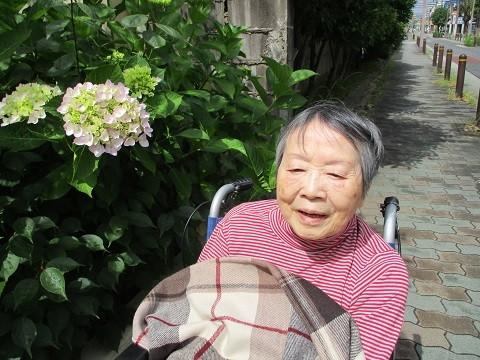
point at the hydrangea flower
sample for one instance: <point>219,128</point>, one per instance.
<point>26,102</point>
<point>116,57</point>
<point>104,117</point>
<point>139,81</point>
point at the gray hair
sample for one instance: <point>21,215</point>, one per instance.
<point>362,133</point>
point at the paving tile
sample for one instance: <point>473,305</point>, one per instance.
<point>465,215</point>
<point>458,239</point>
<point>456,280</point>
<point>445,292</point>
<point>417,252</point>
<point>470,250</point>
<point>423,302</point>
<point>457,257</point>
<point>467,231</point>
<point>444,267</point>
<point>435,213</point>
<point>453,222</point>
<point>475,296</point>
<point>405,350</point>
<point>464,344</point>
<point>461,308</point>
<point>424,336</point>
<point>443,229</point>
<point>437,353</point>
<point>410,314</point>
<point>472,271</point>
<point>416,234</point>
<point>454,324</point>
<point>424,275</point>
<point>435,244</point>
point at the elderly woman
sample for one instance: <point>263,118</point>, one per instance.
<point>326,158</point>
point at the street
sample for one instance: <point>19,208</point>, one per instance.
<point>473,53</point>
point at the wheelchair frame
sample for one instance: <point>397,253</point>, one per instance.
<point>389,209</point>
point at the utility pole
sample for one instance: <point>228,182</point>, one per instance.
<point>424,18</point>
<point>470,28</point>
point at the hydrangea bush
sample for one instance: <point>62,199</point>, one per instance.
<point>83,234</point>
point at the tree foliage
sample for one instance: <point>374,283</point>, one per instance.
<point>440,16</point>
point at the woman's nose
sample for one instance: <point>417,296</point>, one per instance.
<point>314,185</point>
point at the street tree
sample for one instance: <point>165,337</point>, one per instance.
<point>439,17</point>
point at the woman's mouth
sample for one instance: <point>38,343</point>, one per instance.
<point>311,218</point>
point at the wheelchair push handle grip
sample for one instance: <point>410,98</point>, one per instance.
<point>242,184</point>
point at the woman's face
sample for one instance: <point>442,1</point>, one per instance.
<point>319,182</point>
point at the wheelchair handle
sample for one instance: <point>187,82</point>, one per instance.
<point>222,193</point>
<point>389,210</point>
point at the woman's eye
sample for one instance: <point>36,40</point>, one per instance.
<point>336,176</point>
<point>296,170</point>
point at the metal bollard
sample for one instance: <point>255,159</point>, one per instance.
<point>477,118</point>
<point>435,52</point>
<point>462,64</point>
<point>424,46</point>
<point>440,59</point>
<point>448,64</point>
<point>418,41</point>
<point>413,36</point>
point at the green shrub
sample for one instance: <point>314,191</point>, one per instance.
<point>81,235</point>
<point>437,34</point>
<point>468,40</point>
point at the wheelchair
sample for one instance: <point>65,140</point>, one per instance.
<point>391,234</point>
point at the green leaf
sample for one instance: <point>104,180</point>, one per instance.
<point>115,229</point>
<point>202,94</point>
<point>86,305</point>
<point>63,263</point>
<point>62,65</point>
<point>55,26</point>
<point>10,41</point>
<point>130,259</point>
<point>71,225</point>
<point>182,183</point>
<point>21,246</point>
<point>43,223</point>
<point>133,21</point>
<point>106,72</point>
<point>197,134</point>
<point>154,40</point>
<point>166,104</point>
<point>226,86</point>
<point>93,242</point>
<point>9,266</point>
<point>82,285</point>
<point>116,265</point>
<point>257,107</point>
<point>292,101</point>
<point>65,242</point>
<point>24,333</point>
<point>24,226</point>
<point>300,75</point>
<point>52,280</point>
<point>260,89</point>
<point>139,219</point>
<point>216,103</point>
<point>84,171</point>
<point>146,158</point>
<point>226,144</point>
<point>55,184</point>
<point>5,323</point>
<point>169,31</point>
<point>21,136</point>
<point>25,291</point>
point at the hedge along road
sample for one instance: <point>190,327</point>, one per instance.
<point>473,53</point>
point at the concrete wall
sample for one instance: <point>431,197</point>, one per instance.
<point>270,30</point>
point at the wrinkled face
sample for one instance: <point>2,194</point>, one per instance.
<point>319,182</point>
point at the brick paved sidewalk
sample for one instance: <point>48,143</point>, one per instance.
<point>434,170</point>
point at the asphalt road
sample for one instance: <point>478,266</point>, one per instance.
<point>473,53</point>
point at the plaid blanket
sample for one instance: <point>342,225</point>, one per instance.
<point>242,308</point>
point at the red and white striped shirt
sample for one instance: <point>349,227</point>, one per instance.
<point>355,268</point>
